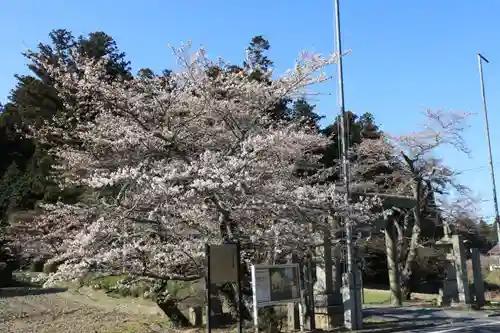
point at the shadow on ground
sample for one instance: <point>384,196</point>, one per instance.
<point>29,291</point>
<point>388,320</point>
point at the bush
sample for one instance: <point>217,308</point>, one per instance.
<point>106,283</point>
<point>139,290</point>
<point>37,266</point>
<point>50,268</point>
<point>5,274</point>
<point>8,261</point>
<point>272,319</point>
<point>492,280</point>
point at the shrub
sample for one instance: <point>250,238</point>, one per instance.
<point>272,319</point>
<point>50,268</point>
<point>36,266</point>
<point>492,280</point>
<point>5,274</point>
<point>107,283</point>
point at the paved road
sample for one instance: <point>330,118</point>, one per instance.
<point>430,320</point>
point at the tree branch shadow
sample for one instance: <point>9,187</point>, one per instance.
<point>29,291</point>
<point>401,319</point>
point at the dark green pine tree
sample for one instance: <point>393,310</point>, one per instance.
<point>35,100</point>
<point>257,62</point>
<point>368,128</point>
<point>11,189</point>
<point>97,45</point>
<point>304,111</point>
<point>358,128</point>
<point>487,235</point>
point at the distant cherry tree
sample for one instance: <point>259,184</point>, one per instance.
<point>409,165</point>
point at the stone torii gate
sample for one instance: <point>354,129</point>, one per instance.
<point>456,289</point>
<point>330,306</point>
<point>387,226</point>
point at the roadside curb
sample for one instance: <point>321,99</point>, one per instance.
<point>494,314</point>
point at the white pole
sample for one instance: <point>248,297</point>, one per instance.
<point>480,60</point>
<point>255,305</point>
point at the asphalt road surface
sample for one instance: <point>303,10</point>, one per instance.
<point>429,320</point>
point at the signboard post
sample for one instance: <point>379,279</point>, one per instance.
<point>276,284</point>
<point>223,266</point>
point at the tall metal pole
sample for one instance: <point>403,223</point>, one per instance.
<point>344,138</point>
<point>480,60</point>
<point>352,307</point>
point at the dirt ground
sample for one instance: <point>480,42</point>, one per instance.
<point>32,310</point>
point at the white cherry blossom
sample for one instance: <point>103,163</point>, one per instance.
<point>191,158</point>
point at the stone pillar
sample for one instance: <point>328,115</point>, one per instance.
<point>332,267</point>
<point>478,278</point>
<point>336,298</point>
<point>309,275</point>
<point>360,255</point>
<point>461,270</point>
<point>351,295</point>
<point>358,284</point>
<point>353,319</point>
<point>293,316</point>
<point>327,288</point>
<point>293,308</point>
<point>448,294</point>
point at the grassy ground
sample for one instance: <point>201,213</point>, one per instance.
<point>371,296</point>
<point>144,326</point>
<point>383,297</point>
<point>492,292</point>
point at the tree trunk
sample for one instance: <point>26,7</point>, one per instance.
<point>392,266</point>
<point>229,294</point>
<point>174,313</point>
<point>406,274</point>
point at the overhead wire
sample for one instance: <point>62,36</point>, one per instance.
<point>476,168</point>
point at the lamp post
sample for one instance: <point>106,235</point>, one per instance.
<point>480,60</point>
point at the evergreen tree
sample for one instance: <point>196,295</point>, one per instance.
<point>257,62</point>
<point>301,109</point>
<point>487,235</point>
<point>358,129</point>
<point>25,164</point>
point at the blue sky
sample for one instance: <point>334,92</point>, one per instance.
<point>406,55</point>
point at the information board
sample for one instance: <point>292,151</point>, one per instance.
<point>276,284</point>
<point>223,261</point>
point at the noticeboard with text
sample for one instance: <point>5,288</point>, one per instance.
<point>276,284</point>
